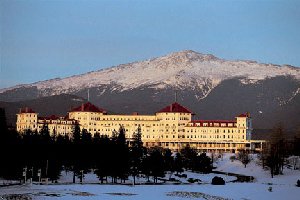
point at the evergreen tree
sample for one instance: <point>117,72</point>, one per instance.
<point>276,151</point>
<point>76,134</point>
<point>178,163</point>
<point>146,167</point>
<point>137,153</point>
<point>137,139</point>
<point>189,156</point>
<point>86,137</point>
<point>121,139</point>
<point>54,136</point>
<point>104,156</point>
<point>244,157</point>
<point>3,126</point>
<point>169,162</point>
<point>296,145</point>
<point>203,163</point>
<point>44,134</point>
<point>156,164</point>
<point>122,155</point>
<point>54,169</point>
<point>96,138</point>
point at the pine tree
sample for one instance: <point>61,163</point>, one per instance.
<point>121,139</point>
<point>156,164</point>
<point>169,162</point>
<point>103,147</point>
<point>96,138</point>
<point>54,136</point>
<point>3,126</point>
<point>203,163</point>
<point>76,134</point>
<point>122,152</point>
<point>137,139</point>
<point>178,163</point>
<point>243,156</point>
<point>136,154</point>
<point>189,156</point>
<point>44,134</point>
<point>86,137</point>
<point>276,151</point>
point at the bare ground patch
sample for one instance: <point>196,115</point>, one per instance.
<point>15,197</point>
<point>121,194</point>
<point>83,194</point>
<point>198,195</point>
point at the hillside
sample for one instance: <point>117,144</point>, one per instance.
<point>213,88</point>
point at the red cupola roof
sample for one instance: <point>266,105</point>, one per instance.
<point>87,107</point>
<point>175,108</point>
<point>26,110</point>
<point>244,115</point>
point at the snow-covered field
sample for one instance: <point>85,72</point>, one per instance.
<point>283,187</point>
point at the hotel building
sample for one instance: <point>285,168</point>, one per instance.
<point>171,127</point>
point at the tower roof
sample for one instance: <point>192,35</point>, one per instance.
<point>175,108</point>
<point>87,107</point>
<point>244,115</point>
<point>26,110</point>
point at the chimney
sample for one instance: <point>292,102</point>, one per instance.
<point>82,107</point>
<point>26,109</point>
<point>171,107</point>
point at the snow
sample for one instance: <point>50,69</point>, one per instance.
<point>229,191</point>
<point>180,69</point>
<point>283,186</point>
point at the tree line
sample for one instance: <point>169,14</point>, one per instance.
<point>113,159</point>
<point>278,149</point>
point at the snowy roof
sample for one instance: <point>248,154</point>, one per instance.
<point>175,108</point>
<point>87,107</point>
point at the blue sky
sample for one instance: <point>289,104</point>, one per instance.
<point>58,38</point>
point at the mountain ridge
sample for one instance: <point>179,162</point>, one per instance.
<point>175,69</point>
<point>213,88</point>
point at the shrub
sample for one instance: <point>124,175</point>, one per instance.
<point>217,181</point>
<point>298,183</point>
<point>232,158</point>
<point>183,176</point>
<point>193,180</point>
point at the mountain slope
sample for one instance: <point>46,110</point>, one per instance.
<point>213,88</point>
<point>182,69</point>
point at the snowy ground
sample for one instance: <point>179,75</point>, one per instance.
<point>283,187</point>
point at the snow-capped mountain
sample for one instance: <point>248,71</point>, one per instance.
<point>181,69</point>
<point>213,88</point>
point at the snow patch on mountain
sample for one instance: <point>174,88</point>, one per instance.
<point>180,70</point>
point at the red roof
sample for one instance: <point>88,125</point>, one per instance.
<point>26,110</point>
<point>52,117</point>
<point>87,107</point>
<point>175,108</point>
<point>244,115</point>
<point>213,123</point>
